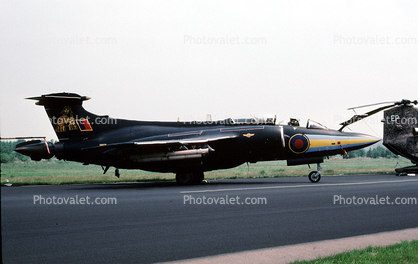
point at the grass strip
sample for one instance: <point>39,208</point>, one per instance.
<point>404,252</point>
<point>62,172</point>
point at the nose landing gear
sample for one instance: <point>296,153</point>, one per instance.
<point>315,176</point>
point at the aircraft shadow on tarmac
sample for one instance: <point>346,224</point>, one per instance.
<point>233,183</point>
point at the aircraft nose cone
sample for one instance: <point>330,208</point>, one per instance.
<point>373,140</point>
<point>363,140</point>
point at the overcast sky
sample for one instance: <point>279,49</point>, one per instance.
<point>163,60</point>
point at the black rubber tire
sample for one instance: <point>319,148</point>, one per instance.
<point>198,177</point>
<point>189,178</point>
<point>314,179</point>
<point>184,178</point>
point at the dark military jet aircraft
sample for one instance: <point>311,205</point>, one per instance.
<point>187,149</point>
<point>400,129</point>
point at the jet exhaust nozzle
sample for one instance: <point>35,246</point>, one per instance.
<point>36,149</point>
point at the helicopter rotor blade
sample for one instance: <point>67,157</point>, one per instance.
<point>356,118</point>
<point>404,102</point>
<point>393,102</point>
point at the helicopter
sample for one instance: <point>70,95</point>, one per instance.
<point>187,149</point>
<point>400,129</point>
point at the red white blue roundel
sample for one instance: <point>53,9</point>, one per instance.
<point>299,143</point>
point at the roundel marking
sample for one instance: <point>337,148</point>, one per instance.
<point>299,143</point>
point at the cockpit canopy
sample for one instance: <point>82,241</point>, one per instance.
<point>269,119</point>
<point>314,125</point>
<point>253,119</point>
<point>310,124</point>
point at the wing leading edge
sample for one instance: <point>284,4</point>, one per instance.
<point>160,150</point>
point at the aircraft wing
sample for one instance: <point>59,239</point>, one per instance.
<point>150,149</point>
<point>188,141</point>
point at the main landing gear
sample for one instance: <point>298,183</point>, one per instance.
<point>189,178</point>
<point>117,174</point>
<point>315,176</point>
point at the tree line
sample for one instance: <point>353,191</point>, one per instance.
<point>378,152</point>
<point>7,153</point>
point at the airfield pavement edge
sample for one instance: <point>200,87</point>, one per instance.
<point>309,251</point>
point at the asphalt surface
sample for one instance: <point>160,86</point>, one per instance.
<point>155,222</point>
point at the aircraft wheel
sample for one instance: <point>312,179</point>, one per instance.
<point>184,178</point>
<point>189,178</point>
<point>313,177</point>
<point>198,177</point>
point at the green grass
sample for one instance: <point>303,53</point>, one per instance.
<point>405,252</point>
<point>61,172</point>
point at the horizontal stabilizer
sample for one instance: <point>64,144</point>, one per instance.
<point>58,97</point>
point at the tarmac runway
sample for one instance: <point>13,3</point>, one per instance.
<point>160,221</point>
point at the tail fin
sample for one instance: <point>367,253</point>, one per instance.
<point>67,115</point>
